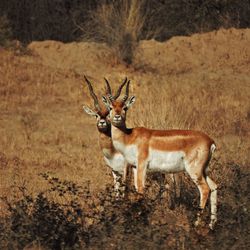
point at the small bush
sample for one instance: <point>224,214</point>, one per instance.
<point>44,221</point>
<point>70,216</point>
<point>119,24</point>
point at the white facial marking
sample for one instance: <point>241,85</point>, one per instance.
<point>102,123</point>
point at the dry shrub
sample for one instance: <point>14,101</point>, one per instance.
<point>70,216</point>
<point>119,24</point>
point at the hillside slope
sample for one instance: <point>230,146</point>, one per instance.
<point>204,77</point>
<point>198,82</point>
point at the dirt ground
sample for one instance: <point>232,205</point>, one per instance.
<point>198,82</point>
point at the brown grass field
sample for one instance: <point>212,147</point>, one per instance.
<point>200,82</point>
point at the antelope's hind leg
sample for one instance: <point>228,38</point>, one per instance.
<point>213,201</point>
<point>203,187</point>
<point>204,193</point>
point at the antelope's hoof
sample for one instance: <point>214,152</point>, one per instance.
<point>140,191</point>
<point>198,221</point>
<point>138,197</point>
<point>212,224</point>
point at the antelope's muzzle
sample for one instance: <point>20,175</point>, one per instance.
<point>102,124</point>
<point>117,119</point>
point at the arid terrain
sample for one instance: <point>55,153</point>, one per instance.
<point>199,82</point>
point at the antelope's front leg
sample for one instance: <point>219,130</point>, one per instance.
<point>141,176</point>
<point>126,177</point>
<point>125,173</point>
<point>142,163</point>
<point>135,178</point>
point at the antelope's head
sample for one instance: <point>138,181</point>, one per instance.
<point>101,115</point>
<point>118,107</point>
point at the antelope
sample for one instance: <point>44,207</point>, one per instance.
<point>112,158</point>
<point>168,151</point>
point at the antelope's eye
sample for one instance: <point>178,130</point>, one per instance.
<point>125,108</point>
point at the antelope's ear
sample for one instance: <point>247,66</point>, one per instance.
<point>130,101</point>
<point>89,111</point>
<point>106,102</point>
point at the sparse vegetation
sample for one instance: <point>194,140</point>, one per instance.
<point>201,82</point>
<point>67,215</point>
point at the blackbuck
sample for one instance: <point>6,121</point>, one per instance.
<point>169,151</point>
<point>113,158</point>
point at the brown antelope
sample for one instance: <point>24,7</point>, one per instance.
<point>113,158</point>
<point>168,151</point>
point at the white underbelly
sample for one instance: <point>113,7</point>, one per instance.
<point>116,162</point>
<point>171,162</point>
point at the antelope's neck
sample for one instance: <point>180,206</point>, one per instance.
<point>106,144</point>
<point>120,134</point>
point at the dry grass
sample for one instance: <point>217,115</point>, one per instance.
<point>33,129</point>
<point>42,123</point>
<point>43,129</point>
